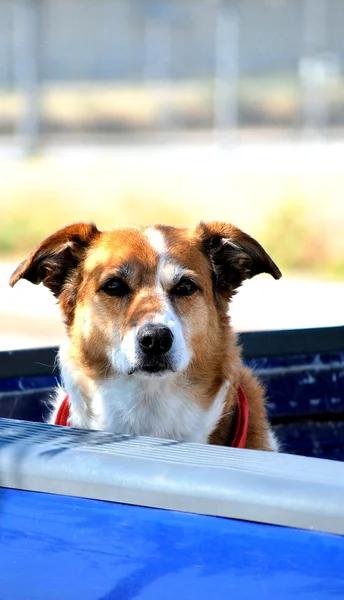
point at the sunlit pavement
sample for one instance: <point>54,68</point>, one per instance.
<point>264,156</point>
<point>29,315</point>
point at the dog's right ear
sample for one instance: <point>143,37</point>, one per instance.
<point>53,260</point>
<point>234,255</point>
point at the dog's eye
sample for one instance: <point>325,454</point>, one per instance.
<point>115,287</point>
<point>185,287</point>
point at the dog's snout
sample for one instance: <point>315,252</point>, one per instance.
<point>155,339</point>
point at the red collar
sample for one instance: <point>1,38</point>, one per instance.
<point>63,416</point>
<point>241,425</point>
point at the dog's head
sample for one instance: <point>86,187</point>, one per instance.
<point>144,300</point>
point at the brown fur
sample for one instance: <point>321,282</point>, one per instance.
<point>76,261</point>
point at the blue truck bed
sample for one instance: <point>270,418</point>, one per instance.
<point>93,515</point>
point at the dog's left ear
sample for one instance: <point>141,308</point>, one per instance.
<point>54,259</point>
<point>234,255</point>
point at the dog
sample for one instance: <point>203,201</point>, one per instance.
<point>149,348</point>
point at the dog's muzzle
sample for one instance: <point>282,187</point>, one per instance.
<point>155,341</point>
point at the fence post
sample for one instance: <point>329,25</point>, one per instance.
<point>158,18</point>
<point>26,49</point>
<point>312,67</point>
<point>226,67</point>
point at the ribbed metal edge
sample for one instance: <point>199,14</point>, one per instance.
<point>255,486</point>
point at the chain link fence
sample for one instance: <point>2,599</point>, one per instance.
<point>104,67</point>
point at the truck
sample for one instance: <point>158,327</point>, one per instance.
<point>94,515</point>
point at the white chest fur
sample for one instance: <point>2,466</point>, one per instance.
<point>154,407</point>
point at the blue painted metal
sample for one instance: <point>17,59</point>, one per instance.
<point>56,547</point>
<point>26,398</point>
<point>313,438</point>
<point>303,385</point>
<point>23,384</point>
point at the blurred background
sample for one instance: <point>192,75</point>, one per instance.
<point>145,111</point>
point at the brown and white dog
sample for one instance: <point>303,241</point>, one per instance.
<point>149,349</point>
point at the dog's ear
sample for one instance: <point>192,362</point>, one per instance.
<point>53,260</point>
<point>234,255</point>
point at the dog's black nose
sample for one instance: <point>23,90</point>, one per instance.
<point>155,339</point>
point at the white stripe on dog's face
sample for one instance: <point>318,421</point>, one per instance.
<point>170,273</point>
<point>156,240</point>
<point>128,356</point>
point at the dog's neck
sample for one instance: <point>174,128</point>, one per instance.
<point>163,407</point>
